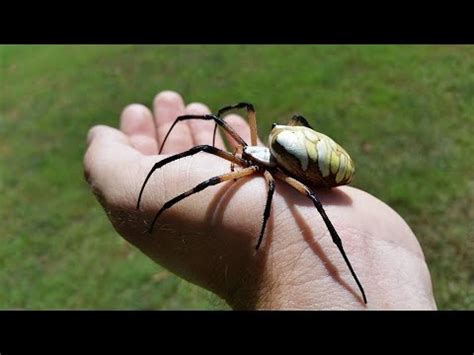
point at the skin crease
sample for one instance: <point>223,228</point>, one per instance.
<point>209,238</point>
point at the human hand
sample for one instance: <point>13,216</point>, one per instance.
<point>209,238</point>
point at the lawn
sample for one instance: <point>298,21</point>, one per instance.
<point>405,113</point>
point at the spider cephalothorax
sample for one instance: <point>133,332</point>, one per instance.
<point>297,155</point>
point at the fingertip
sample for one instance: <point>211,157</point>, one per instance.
<point>168,97</point>
<point>94,132</point>
<point>167,106</point>
<point>137,119</point>
<point>135,108</point>
<point>106,147</point>
<point>91,134</point>
<point>102,132</point>
<point>197,108</point>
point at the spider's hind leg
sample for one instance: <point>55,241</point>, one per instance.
<point>334,235</point>
<point>268,204</point>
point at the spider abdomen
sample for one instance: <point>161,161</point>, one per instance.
<point>311,156</point>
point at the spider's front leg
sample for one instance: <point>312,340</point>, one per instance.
<point>203,185</point>
<point>219,121</point>
<point>200,148</point>
<point>251,119</point>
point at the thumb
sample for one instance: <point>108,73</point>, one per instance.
<point>110,163</point>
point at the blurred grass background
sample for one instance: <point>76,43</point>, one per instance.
<point>405,113</point>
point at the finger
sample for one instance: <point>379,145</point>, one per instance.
<point>144,144</point>
<point>136,122</point>
<point>109,158</point>
<point>101,132</point>
<point>241,127</point>
<point>167,106</point>
<point>137,119</point>
<point>202,130</point>
<point>107,144</point>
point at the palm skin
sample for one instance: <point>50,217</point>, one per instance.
<point>209,238</point>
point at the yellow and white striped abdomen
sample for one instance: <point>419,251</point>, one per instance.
<point>310,156</point>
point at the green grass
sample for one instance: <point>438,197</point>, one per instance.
<point>406,114</point>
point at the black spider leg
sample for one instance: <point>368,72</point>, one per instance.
<point>192,151</point>
<point>334,235</point>
<point>219,121</point>
<point>205,184</point>
<point>266,212</point>
<point>336,239</point>
<point>250,110</point>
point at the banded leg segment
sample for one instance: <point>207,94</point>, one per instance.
<point>334,235</point>
<point>203,185</point>
<point>251,119</point>
<point>192,151</point>
<point>219,121</point>
<point>268,205</point>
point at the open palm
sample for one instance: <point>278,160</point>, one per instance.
<point>209,238</point>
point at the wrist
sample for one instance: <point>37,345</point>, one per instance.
<point>296,273</point>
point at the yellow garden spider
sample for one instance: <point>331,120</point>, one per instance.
<point>297,155</point>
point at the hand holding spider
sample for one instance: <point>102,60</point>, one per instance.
<point>209,238</point>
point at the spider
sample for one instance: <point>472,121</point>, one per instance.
<point>297,155</point>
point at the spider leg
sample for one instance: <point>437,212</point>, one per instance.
<point>317,203</point>
<point>219,121</point>
<point>210,182</point>
<point>298,120</point>
<point>192,151</point>
<point>252,120</point>
<point>237,150</point>
<point>266,213</point>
